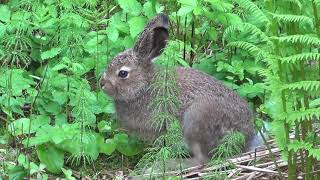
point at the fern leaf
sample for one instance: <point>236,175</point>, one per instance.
<point>303,85</point>
<point>297,145</point>
<point>248,28</point>
<point>253,9</point>
<point>300,115</point>
<point>301,57</point>
<point>251,48</point>
<point>289,18</point>
<point>295,2</point>
<point>313,151</point>
<point>317,2</point>
<point>306,39</point>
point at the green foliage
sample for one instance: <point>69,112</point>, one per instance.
<point>52,54</point>
<point>169,145</point>
<point>54,161</point>
<point>287,43</point>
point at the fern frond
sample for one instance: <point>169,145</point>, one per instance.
<point>289,18</point>
<point>313,151</point>
<point>303,85</point>
<point>251,48</point>
<point>233,29</point>
<point>317,2</point>
<point>306,39</point>
<point>248,28</point>
<point>301,57</point>
<point>295,2</point>
<point>253,9</point>
<point>300,115</point>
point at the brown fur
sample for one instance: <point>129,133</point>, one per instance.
<point>208,110</point>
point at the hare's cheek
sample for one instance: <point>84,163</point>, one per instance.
<point>109,89</point>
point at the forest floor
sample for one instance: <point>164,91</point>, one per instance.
<point>265,162</point>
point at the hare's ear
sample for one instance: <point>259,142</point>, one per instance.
<point>152,39</point>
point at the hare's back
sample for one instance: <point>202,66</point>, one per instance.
<point>193,83</point>
<point>196,86</point>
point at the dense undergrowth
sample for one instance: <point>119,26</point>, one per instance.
<point>54,116</point>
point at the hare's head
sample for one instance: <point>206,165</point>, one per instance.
<point>129,73</point>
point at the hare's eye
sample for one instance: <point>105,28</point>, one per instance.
<point>123,73</point>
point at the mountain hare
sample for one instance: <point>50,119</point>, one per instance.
<point>208,109</point>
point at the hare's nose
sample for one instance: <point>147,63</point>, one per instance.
<point>102,82</point>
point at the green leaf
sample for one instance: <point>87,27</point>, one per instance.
<point>53,107</point>
<point>94,41</point>
<point>132,7</point>
<point>107,147</point>
<point>52,157</point>
<point>187,6</point>
<point>19,79</point>
<point>22,125</point>
<point>59,67</point>
<point>148,9</point>
<point>2,31</point>
<point>60,97</point>
<point>104,126</point>
<point>127,146</point>
<point>213,34</point>
<point>184,10</point>
<point>17,173</point>
<point>314,103</point>
<point>68,174</point>
<point>136,25</point>
<point>50,53</point>
<point>61,119</point>
<point>112,33</point>
<point>5,13</point>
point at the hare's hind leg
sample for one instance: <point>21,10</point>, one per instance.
<point>200,131</point>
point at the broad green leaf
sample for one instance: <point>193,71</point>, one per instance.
<point>132,7</point>
<point>127,146</point>
<point>43,135</point>
<point>61,119</point>
<point>17,173</point>
<point>189,3</point>
<point>59,67</point>
<point>187,6</point>
<point>24,161</point>
<point>93,42</point>
<point>117,21</point>
<point>52,157</point>
<point>60,97</point>
<point>50,53</point>
<point>22,126</point>
<point>107,147</point>
<point>148,10</point>
<point>184,10</point>
<point>127,42</point>
<point>19,80</point>
<point>104,126</point>
<point>86,145</point>
<point>5,13</point>
<point>53,107</point>
<point>113,33</point>
<point>136,25</point>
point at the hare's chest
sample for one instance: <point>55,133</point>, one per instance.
<point>137,119</point>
